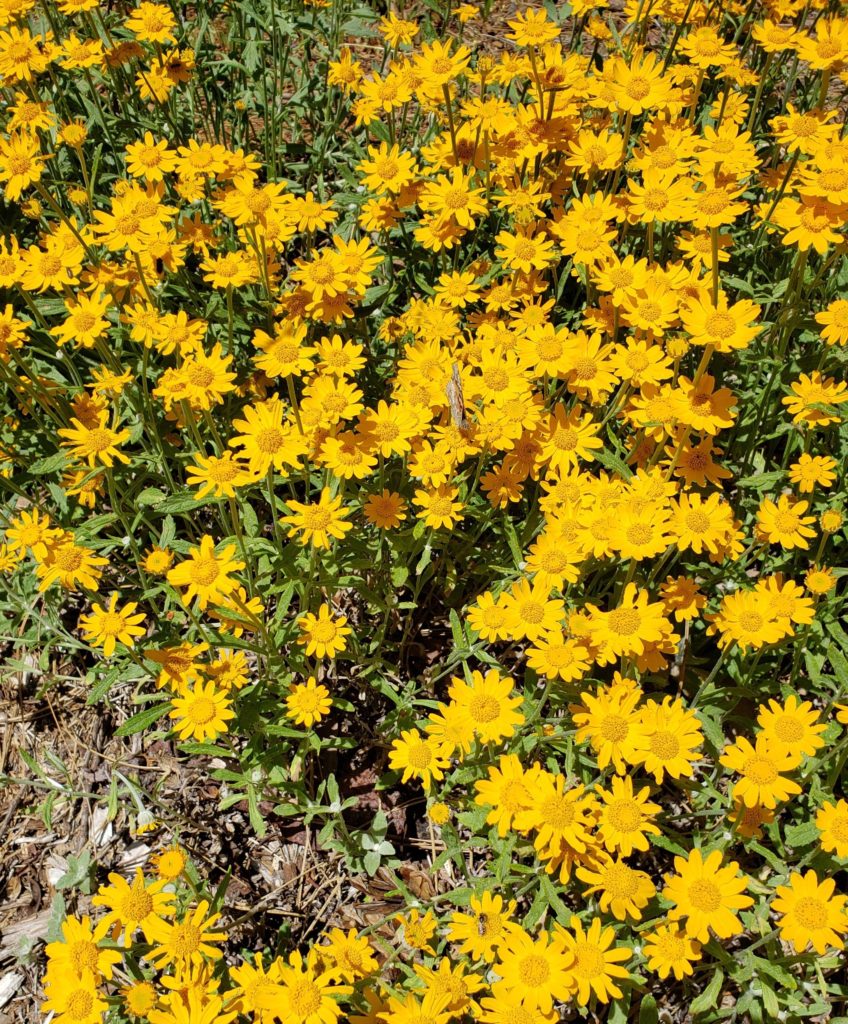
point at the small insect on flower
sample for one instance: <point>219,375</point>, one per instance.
<point>456,399</point>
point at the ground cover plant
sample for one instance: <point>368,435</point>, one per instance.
<point>424,428</point>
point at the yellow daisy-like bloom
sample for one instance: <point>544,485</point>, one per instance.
<point>669,739</point>
<point>418,931</point>
<point>140,998</point>
<point>486,929</point>
<point>560,817</point>
<point>130,907</point>
<point>538,971</point>
<point>597,963</point>
<point>724,327</point>
<point>819,580</point>
<point>784,523</point>
<point>170,864</point>
<point>760,768</point>
<point>31,531</point>
<point>205,575</point>
<point>532,28</point>
<point>419,757</point>
<point>668,949</point>
<point>707,894</point>
<point>793,727</point>
<point>80,950</point>
<point>105,627</point>
<point>832,822</point>
<point>625,817</point>
<point>74,999</point>
<point>219,476</point>
<point>307,703</point>
<point>266,439</point>
<point>323,635</point>
<point>530,612</point>
<point>747,619</point>
<point>609,720</point>
<point>556,656</point>
<point>625,630</point>
<point>624,891</point>
<point>347,955</point>
<point>387,169</point>
<point>152,23</point>
<point>201,713</point>
<point>320,522</point>
<point>810,472</point>
<point>386,511</point>
<point>94,444</point>
<point>489,704</point>
<point>439,508</point>
<point>453,982</point>
<point>811,913</point>
<point>190,941</point>
<point>508,790</point>
<point>71,564</point>
<point>488,616</point>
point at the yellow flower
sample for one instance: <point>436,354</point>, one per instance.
<point>307,703</point>
<point>350,956</point>
<point>105,627</point>
<point>707,894</point>
<point>318,523</point>
<point>94,444</point>
<point>597,963</point>
<point>625,817</point>
<point>481,933</point>
<point>201,713</point>
<point>418,931</point>
<point>206,575</point>
<point>419,757</point>
<point>80,951</point>
<point>538,971</point>
<point>130,907</point>
<point>792,727</point>
<point>323,635</point>
<point>489,704</point>
<point>170,863</point>
<point>760,769</point>
<point>811,913</point>
<point>668,949</point>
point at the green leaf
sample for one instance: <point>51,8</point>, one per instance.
<point>57,919</point>
<point>648,1012</point>
<point>78,872</point>
<point>801,835</point>
<point>50,464</point>
<point>708,999</point>
<point>143,719</point>
<point>150,496</point>
<point>255,815</point>
<point>613,463</point>
<point>839,663</point>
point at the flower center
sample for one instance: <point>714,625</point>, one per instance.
<point>534,971</point>
<point>484,709</point>
<point>624,621</point>
<point>811,913</point>
<point>625,815</point>
<point>705,896</point>
<point>665,745</point>
<point>721,325</point>
<point>760,770</point>
<point>205,571</point>
<point>589,961</point>
<point>788,729</point>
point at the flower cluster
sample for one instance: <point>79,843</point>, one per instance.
<point>474,408</point>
